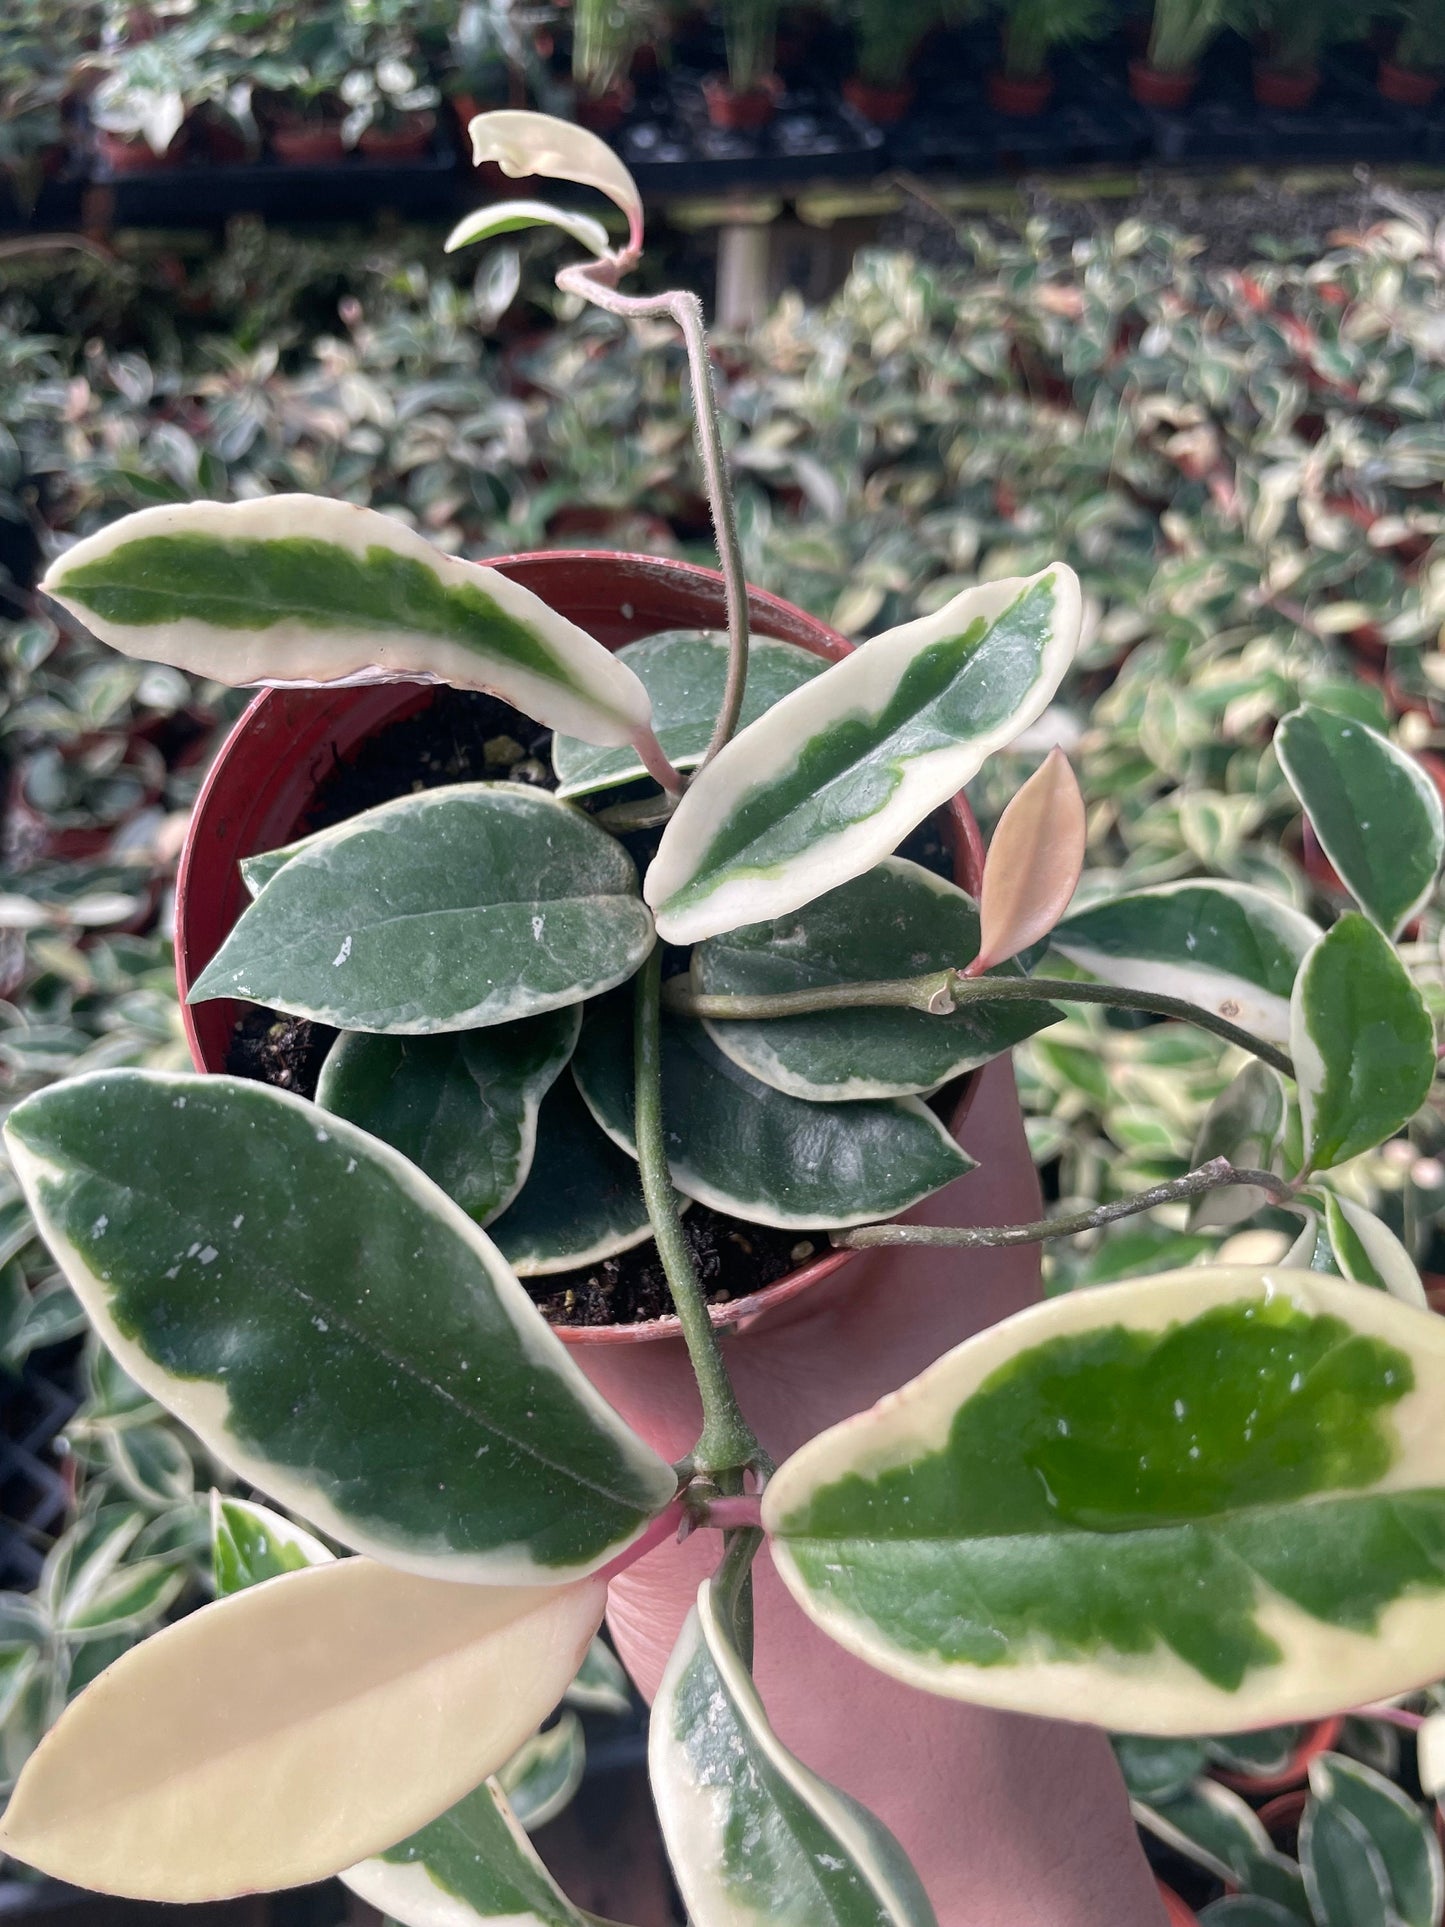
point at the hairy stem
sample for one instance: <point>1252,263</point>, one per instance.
<point>591,280</point>
<point>727,1442</point>
<point>1213,1176</point>
<point>941,992</point>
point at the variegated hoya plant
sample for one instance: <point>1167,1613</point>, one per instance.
<point>1201,1501</point>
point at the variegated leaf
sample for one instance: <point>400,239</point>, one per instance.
<point>834,776</point>
<point>545,1772</point>
<point>523,143</point>
<point>1366,1250</point>
<point>509,217</point>
<point>453,909</point>
<point>754,1838</point>
<point>331,1325</point>
<point>285,1732</point>
<point>1228,947</point>
<point>1404,1837</point>
<point>1206,1500</point>
<point>1244,1124</point>
<point>251,1543</point>
<point>297,590</point>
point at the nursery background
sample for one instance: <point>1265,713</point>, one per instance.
<point>1156,291</point>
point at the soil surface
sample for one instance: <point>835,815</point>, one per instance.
<point>465,737</point>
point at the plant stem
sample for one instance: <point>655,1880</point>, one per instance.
<point>734,1583</point>
<point>1213,1176</point>
<point>727,1442</point>
<point>590,281</point>
<point>941,992</point>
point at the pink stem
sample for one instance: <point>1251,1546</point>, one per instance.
<point>730,1513</point>
<point>1391,1715</point>
<point>655,761</point>
<point>664,1527</point>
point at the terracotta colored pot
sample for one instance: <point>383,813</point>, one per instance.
<point>605,112</point>
<point>1179,1914</point>
<point>262,782</point>
<point>1406,86</point>
<point>1170,92</point>
<point>884,106</point>
<point>741,113</point>
<point>410,140</point>
<point>1285,89</point>
<point>1320,1738</point>
<point>303,145</point>
<point>129,154</point>
<point>1281,1816</point>
<point>1020,99</point>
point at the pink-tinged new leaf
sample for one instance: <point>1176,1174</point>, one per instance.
<point>1033,864</point>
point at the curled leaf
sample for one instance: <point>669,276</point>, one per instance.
<point>523,143</point>
<point>1033,864</point>
<point>508,217</point>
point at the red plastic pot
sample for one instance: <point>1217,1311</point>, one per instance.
<point>1320,1738</point>
<point>741,113</point>
<point>1020,99</point>
<point>1405,86</point>
<point>262,782</point>
<point>1285,89</point>
<point>1180,1914</point>
<point>884,106</point>
<point>301,145</point>
<point>130,154</point>
<point>1152,88</point>
<point>409,140</point>
<point>605,112</point>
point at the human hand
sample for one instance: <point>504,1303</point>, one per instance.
<point>1010,1821</point>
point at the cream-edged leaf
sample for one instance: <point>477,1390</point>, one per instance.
<point>1367,1250</point>
<point>1034,860</point>
<point>509,217</point>
<point>523,143</point>
<point>545,1772</point>
<point>1395,1824</point>
<point>1228,947</point>
<point>1244,1124</point>
<point>754,1838</point>
<point>250,1543</point>
<point>284,1733</point>
<point>453,909</point>
<point>294,590</point>
<point>1202,1501</point>
<point>331,1325</point>
<point>835,775</point>
<point>601,1685</point>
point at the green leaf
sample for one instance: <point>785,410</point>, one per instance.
<point>251,1543</point>
<point>1247,1910</point>
<point>1362,1042</point>
<point>1244,1124</point>
<point>510,217</point>
<point>150,1462</point>
<point>1344,1871</point>
<point>1375,811</point>
<point>741,1147</point>
<point>1210,1825</point>
<point>1208,1500</point>
<point>454,909</point>
<point>545,1772</point>
<point>331,1325</point>
<point>1366,1250</point>
<point>833,777</point>
<point>752,1835</point>
<point>1225,946</point>
<point>899,920</point>
<point>1153,1769</point>
<point>1398,1828</point>
<point>1260,1754</point>
<point>684,673</point>
<point>582,1201</point>
<point>601,1685</point>
<point>473,1864</point>
<point>463,1107</point>
<point>295,589</point>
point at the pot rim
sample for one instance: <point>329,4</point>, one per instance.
<point>772,616</point>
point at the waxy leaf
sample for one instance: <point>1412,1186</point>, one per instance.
<point>1210,1825</point>
<point>284,1733</point>
<point>1244,1124</point>
<point>1405,1838</point>
<point>474,1864</point>
<point>684,673</point>
<point>741,1147</point>
<point>331,1325</point>
<point>1362,1043</point>
<point>1346,1879</point>
<point>1367,1250</point>
<point>1430,1755</point>
<point>508,217</point>
<point>1225,946</point>
<point>1154,1768</point>
<point>542,1776</point>
<point>523,143</point>
<point>833,777</point>
<point>755,1838</point>
<point>601,1684</point>
<point>899,920</point>
<point>1248,1910</point>
<point>463,1107</point>
<point>453,909</point>
<point>1033,865</point>
<point>583,1199</point>
<point>1210,1499</point>
<point>297,590</point>
<point>251,1543</point>
<point>1375,811</point>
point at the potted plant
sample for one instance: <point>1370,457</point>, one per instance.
<point>1287,69</point>
<point>1168,72</point>
<point>606,35</point>
<point>885,39</point>
<point>1152,1499</point>
<point>1023,84</point>
<point>1409,74</point>
<point>302,55</point>
<point>152,87</point>
<point>745,99</point>
<point>391,110</point>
